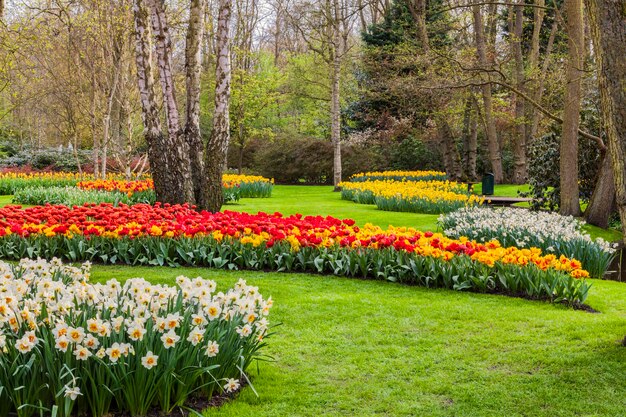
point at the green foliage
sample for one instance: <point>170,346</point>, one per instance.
<point>254,104</point>
<point>543,170</point>
<point>308,160</point>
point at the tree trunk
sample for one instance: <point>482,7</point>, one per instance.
<point>608,29</point>
<point>490,128</point>
<point>451,157</point>
<point>217,146</point>
<point>178,176</point>
<point>538,93</point>
<point>470,138</point>
<point>335,116</point>
<point>193,70</point>
<point>602,201</point>
<point>520,171</point>
<point>94,134</point>
<point>105,145</point>
<point>157,151</point>
<point>418,11</point>
<point>570,204</point>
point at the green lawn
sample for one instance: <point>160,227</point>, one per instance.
<point>313,200</point>
<point>349,347</point>
<point>321,200</point>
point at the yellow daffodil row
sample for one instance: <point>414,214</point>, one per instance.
<point>399,176</point>
<point>410,196</point>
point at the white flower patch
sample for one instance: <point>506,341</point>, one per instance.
<point>52,317</point>
<point>551,232</point>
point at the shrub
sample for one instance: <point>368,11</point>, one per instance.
<point>553,233</point>
<point>75,348</point>
<point>543,170</point>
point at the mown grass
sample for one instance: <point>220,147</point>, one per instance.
<point>349,347</point>
<point>314,200</point>
<point>321,200</point>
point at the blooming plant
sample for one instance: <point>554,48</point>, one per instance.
<point>76,189</point>
<point>73,196</point>
<point>10,182</point>
<point>553,233</point>
<point>399,176</point>
<point>174,235</point>
<point>127,187</point>
<point>431,196</point>
<point>250,186</point>
<point>72,347</point>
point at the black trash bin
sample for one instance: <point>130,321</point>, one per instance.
<point>488,184</point>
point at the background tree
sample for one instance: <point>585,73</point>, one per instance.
<point>608,28</point>
<point>570,204</point>
<point>217,145</point>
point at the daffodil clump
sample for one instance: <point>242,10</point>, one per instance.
<point>70,347</point>
<point>399,176</point>
<point>250,186</point>
<point>551,232</point>
<point>432,196</point>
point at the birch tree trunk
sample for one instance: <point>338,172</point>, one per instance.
<point>570,204</point>
<point>217,146</point>
<point>94,131</point>
<point>608,29</point>
<point>178,176</point>
<point>193,69</point>
<point>335,115</point>
<point>157,151</point>
<point>337,49</point>
<point>490,128</point>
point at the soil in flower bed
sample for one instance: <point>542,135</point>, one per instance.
<point>195,404</point>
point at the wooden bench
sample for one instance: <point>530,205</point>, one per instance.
<point>504,201</point>
<point>470,185</point>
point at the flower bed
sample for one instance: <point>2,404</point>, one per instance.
<point>73,196</point>
<point>10,182</point>
<point>126,187</point>
<point>434,197</point>
<point>399,176</point>
<point>553,233</point>
<point>174,235</point>
<point>250,186</point>
<point>30,188</point>
<point>74,348</point>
